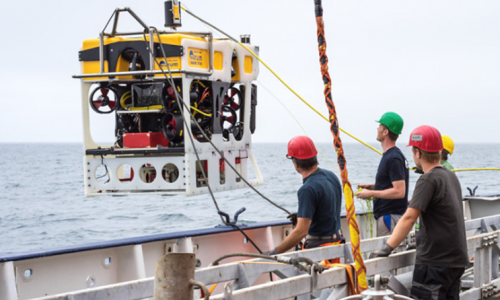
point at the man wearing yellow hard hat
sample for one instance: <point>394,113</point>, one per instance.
<point>448,147</point>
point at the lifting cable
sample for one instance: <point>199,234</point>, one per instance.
<point>334,127</point>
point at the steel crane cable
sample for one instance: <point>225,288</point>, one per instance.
<point>334,127</point>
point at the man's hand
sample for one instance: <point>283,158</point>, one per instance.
<point>270,252</point>
<point>368,186</point>
<point>364,194</point>
<point>292,218</point>
<point>384,252</point>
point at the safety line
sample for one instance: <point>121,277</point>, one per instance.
<point>302,99</point>
<point>303,129</point>
<point>279,78</point>
<point>476,169</point>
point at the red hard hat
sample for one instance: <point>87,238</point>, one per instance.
<point>427,138</point>
<point>301,147</point>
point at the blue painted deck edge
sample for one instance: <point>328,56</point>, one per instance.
<point>133,241</point>
<point>137,240</point>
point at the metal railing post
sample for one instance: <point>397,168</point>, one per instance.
<point>174,277</point>
<point>8,288</point>
<point>152,52</point>
<point>101,52</point>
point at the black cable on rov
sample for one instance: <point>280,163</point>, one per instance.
<point>172,83</point>
<point>178,96</point>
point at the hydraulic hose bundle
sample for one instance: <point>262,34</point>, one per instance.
<point>334,127</point>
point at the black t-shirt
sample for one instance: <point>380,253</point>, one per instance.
<point>320,199</point>
<point>393,167</point>
<point>441,239</point>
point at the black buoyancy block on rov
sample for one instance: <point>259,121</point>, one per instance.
<point>127,50</point>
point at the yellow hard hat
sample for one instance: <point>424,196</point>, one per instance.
<point>448,143</point>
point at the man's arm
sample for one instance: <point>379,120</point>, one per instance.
<point>296,236</point>
<point>400,232</point>
<point>368,186</point>
<point>404,226</point>
<point>397,191</point>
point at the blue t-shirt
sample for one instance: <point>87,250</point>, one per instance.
<point>320,198</point>
<point>393,167</point>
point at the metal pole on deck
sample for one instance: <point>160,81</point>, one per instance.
<point>174,277</point>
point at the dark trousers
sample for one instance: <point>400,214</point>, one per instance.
<point>311,243</point>
<point>315,243</point>
<point>431,282</point>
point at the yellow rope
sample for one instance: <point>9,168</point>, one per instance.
<point>296,94</point>
<point>303,100</point>
<point>212,288</point>
<point>476,169</point>
<point>153,107</point>
<point>124,98</point>
<point>199,111</point>
<point>325,118</point>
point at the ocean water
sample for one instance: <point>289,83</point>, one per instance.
<point>42,203</point>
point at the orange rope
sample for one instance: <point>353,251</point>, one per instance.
<point>334,127</point>
<point>205,94</point>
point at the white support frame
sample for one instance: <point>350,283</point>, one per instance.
<point>249,276</point>
<point>185,162</point>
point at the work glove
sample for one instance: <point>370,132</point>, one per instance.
<point>384,252</point>
<point>270,252</point>
<point>292,218</point>
<point>418,170</point>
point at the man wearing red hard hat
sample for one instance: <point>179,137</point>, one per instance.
<point>441,242</point>
<point>320,198</point>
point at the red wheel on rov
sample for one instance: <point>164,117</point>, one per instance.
<point>172,125</point>
<point>103,100</point>
<point>228,117</point>
<point>233,98</point>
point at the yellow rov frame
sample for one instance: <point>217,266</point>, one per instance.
<point>192,57</point>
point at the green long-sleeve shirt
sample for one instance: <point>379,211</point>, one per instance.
<point>447,165</point>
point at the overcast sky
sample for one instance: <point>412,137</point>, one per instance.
<point>433,62</point>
